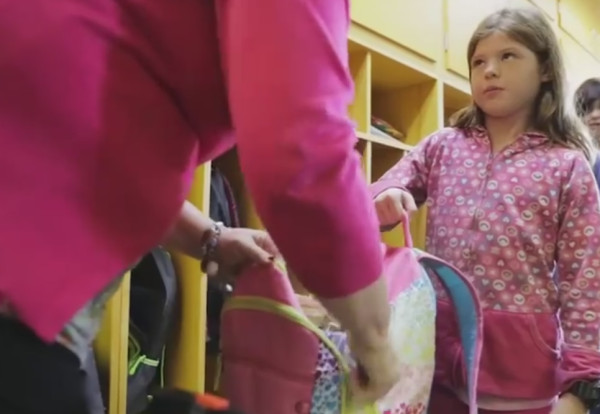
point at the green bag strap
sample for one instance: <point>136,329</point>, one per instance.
<point>292,314</point>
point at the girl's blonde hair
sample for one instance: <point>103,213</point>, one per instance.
<point>551,117</point>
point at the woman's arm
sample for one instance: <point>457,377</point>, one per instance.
<point>235,248</point>
<point>188,231</point>
<point>286,64</point>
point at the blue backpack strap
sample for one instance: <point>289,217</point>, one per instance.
<point>469,317</point>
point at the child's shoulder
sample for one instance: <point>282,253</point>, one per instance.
<point>571,165</point>
<point>568,157</point>
<point>448,134</point>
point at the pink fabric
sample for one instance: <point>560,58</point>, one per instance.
<point>444,401</point>
<point>503,220</point>
<point>107,108</point>
<point>401,267</point>
<point>264,374</point>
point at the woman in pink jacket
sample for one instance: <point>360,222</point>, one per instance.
<point>512,203</point>
<point>106,109</point>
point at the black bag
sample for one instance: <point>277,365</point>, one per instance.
<point>152,312</point>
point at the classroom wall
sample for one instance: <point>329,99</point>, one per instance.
<point>408,61</point>
<point>438,30</point>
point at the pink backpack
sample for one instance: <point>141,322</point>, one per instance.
<point>275,360</point>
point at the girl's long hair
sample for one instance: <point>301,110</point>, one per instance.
<point>551,116</point>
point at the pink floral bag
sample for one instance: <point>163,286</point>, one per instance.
<point>275,360</point>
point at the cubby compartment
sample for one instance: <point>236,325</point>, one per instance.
<point>360,68</point>
<point>409,101</point>
<point>454,100</point>
<point>403,98</point>
<point>383,159</point>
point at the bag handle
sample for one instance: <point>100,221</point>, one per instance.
<point>405,221</point>
<point>468,312</point>
<point>408,241</point>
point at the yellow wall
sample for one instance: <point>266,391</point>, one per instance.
<point>408,61</point>
<point>438,30</point>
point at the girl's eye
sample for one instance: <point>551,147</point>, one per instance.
<point>476,63</point>
<point>508,55</point>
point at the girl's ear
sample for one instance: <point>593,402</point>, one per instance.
<point>545,73</point>
<point>546,77</point>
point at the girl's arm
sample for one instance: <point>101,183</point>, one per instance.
<point>578,261</point>
<point>411,173</point>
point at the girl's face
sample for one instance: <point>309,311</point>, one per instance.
<point>505,76</point>
<point>592,120</point>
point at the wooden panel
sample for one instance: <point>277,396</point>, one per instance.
<point>186,351</point>
<point>581,19</point>
<point>454,99</point>
<point>462,18</point>
<point>550,7</point>
<point>111,348</point>
<point>360,110</point>
<point>580,64</point>
<point>417,26</point>
<point>414,110</point>
<point>367,159</point>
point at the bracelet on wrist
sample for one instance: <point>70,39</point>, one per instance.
<point>210,242</point>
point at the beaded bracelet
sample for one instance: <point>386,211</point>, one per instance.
<point>210,243</point>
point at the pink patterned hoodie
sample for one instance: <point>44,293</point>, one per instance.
<point>524,225</point>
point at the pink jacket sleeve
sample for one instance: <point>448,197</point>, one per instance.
<point>286,69</point>
<point>578,261</point>
<point>411,173</point>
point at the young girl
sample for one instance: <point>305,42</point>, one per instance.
<point>511,197</point>
<point>587,103</point>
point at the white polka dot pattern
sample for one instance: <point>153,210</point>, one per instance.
<point>506,219</point>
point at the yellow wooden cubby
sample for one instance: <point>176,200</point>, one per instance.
<point>408,62</point>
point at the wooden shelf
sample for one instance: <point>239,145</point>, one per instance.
<point>454,100</point>
<point>384,141</point>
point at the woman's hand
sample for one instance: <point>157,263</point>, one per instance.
<point>377,372</point>
<point>393,205</point>
<point>238,248</point>
<point>569,404</point>
<point>365,316</point>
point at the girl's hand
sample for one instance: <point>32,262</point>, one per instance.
<point>393,205</point>
<point>238,248</point>
<point>569,404</point>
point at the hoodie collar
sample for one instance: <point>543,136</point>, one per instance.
<point>525,141</point>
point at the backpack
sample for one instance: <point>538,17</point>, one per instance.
<point>275,360</point>
<point>152,311</point>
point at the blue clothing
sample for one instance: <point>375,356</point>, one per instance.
<point>596,169</point>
